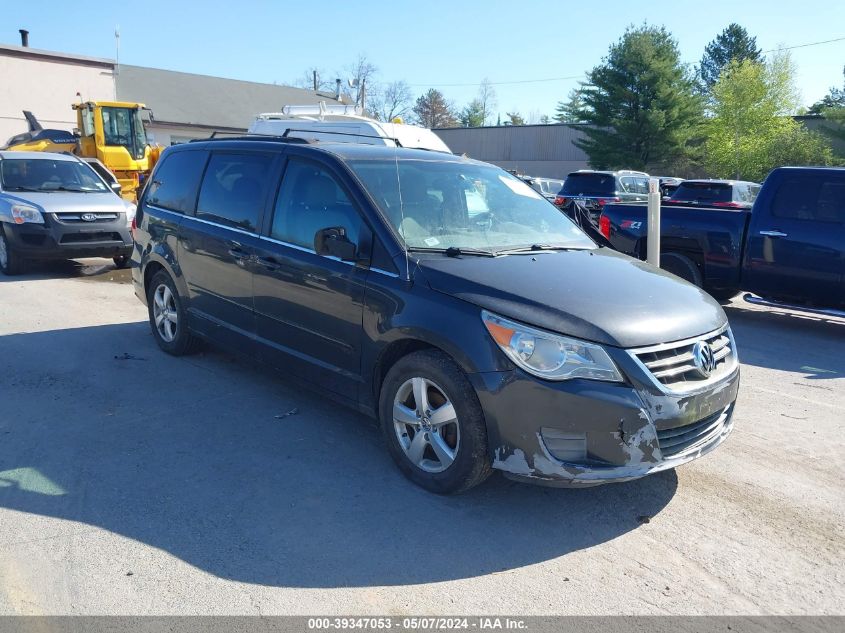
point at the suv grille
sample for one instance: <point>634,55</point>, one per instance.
<point>76,218</point>
<point>673,365</point>
<point>683,439</point>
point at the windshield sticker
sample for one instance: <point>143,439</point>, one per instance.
<point>519,187</point>
<point>431,241</point>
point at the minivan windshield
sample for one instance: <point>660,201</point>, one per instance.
<point>589,184</point>
<point>438,205</point>
<point>44,174</point>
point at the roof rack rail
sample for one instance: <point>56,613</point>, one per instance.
<point>286,135</point>
<point>247,136</point>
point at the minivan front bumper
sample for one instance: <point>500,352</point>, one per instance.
<point>584,433</point>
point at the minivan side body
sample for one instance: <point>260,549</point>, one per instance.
<point>247,274</point>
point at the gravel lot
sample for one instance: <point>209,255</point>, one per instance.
<point>135,483</point>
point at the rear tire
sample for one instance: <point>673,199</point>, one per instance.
<point>11,263</point>
<point>168,318</point>
<point>440,443</point>
<point>723,296</point>
<point>681,266</point>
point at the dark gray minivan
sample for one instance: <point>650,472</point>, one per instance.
<point>444,297</point>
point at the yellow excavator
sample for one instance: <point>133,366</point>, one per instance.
<point>109,131</point>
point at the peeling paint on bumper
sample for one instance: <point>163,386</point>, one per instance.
<point>622,424</point>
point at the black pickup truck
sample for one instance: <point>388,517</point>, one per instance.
<point>788,250</point>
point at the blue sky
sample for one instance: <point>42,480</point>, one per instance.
<point>428,44</point>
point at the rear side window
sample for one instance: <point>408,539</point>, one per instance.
<point>233,189</point>
<point>704,192</point>
<point>176,181</point>
<point>589,184</point>
<point>811,197</point>
<point>311,199</point>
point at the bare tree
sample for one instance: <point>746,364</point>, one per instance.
<point>361,72</point>
<point>391,100</point>
<point>487,99</point>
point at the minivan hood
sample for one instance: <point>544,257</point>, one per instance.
<point>597,295</point>
<point>68,201</point>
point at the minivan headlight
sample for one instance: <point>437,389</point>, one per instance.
<point>23,213</point>
<point>548,355</point>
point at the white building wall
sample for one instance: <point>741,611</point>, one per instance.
<point>47,87</point>
<point>172,135</point>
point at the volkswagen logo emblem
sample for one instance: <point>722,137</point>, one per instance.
<point>702,356</point>
<point>89,217</point>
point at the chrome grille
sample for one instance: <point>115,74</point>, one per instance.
<point>691,437</point>
<point>76,218</point>
<point>673,366</point>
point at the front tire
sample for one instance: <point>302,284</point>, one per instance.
<point>121,261</point>
<point>433,423</point>
<point>11,263</point>
<point>168,318</point>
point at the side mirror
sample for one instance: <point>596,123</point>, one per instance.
<point>115,186</point>
<point>334,243</point>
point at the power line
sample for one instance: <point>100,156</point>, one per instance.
<point>498,83</point>
<point>537,81</point>
<point>789,48</point>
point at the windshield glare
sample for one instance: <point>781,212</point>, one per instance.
<point>41,174</point>
<point>464,205</point>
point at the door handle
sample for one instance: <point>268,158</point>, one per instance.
<point>773,233</point>
<point>270,263</point>
<point>238,253</point>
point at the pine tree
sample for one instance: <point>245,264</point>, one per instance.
<point>732,44</point>
<point>640,104</point>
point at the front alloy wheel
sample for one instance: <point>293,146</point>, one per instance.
<point>433,423</point>
<point>426,425</point>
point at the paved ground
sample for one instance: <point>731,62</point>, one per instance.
<point>132,482</point>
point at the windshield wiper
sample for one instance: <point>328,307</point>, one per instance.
<point>534,248</point>
<point>22,189</point>
<point>453,251</point>
<point>73,189</point>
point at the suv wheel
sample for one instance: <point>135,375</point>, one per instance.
<point>433,423</point>
<point>10,262</point>
<point>167,317</point>
<point>682,266</point>
<point>121,261</point>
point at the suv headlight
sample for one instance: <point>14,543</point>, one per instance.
<point>131,210</point>
<point>548,355</point>
<point>23,213</point>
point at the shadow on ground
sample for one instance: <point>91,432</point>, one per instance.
<point>93,269</point>
<point>196,456</point>
<point>789,341</point>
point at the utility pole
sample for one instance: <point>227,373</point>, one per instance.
<point>315,79</point>
<point>116,58</point>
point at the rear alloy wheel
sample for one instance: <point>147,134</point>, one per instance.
<point>167,317</point>
<point>10,262</point>
<point>433,423</point>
